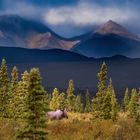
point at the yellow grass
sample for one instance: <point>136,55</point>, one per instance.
<point>83,127</point>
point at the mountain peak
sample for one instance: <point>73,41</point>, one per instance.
<point>111,27</point>
<point>111,22</point>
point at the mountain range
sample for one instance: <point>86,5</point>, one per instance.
<point>22,32</point>
<point>57,67</point>
<point>28,43</point>
<point>22,55</point>
<point>108,40</point>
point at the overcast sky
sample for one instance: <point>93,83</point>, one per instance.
<point>73,17</point>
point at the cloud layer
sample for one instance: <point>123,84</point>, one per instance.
<point>85,14</point>
<point>22,8</point>
<point>73,17</point>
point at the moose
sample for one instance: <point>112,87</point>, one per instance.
<point>57,115</point>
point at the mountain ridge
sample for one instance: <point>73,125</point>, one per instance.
<point>112,27</point>
<point>57,67</point>
<point>27,33</point>
<point>21,55</point>
<point>108,40</point>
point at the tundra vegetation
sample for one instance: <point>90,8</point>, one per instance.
<point>24,103</point>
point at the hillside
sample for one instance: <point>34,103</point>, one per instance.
<point>110,39</point>
<point>58,67</point>
<point>21,32</point>
<point>22,55</point>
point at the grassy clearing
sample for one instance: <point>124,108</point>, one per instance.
<point>6,130</point>
<point>83,127</point>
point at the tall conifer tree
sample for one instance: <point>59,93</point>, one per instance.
<point>126,100</point>
<point>78,104</point>
<point>106,106</point>
<point>107,101</point>
<point>4,90</point>
<point>13,90</point>
<point>93,105</point>
<point>35,120</point>
<point>88,104</point>
<point>133,104</point>
<point>54,99</point>
<point>62,101</point>
<point>102,90</point>
<point>18,102</point>
<point>114,106</point>
<point>70,96</point>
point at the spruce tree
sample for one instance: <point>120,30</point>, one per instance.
<point>14,80</point>
<point>61,101</point>
<point>114,106</point>
<point>70,96</point>
<point>13,90</point>
<point>47,101</point>
<point>110,106</point>
<point>54,100</point>
<point>133,104</point>
<point>107,101</point>
<point>106,106</point>
<point>78,104</point>
<point>4,90</point>
<point>35,120</point>
<point>102,90</point>
<point>88,104</point>
<point>18,102</point>
<point>93,105</point>
<point>126,100</point>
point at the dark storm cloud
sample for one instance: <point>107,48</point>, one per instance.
<point>78,16</point>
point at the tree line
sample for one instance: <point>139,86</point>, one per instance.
<point>25,101</point>
<point>103,105</point>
